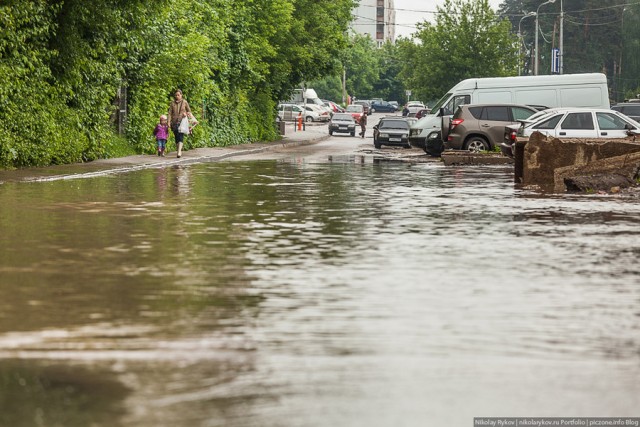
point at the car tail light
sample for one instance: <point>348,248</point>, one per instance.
<point>513,136</point>
<point>456,122</point>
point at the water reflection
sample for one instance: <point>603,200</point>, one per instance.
<point>309,294</point>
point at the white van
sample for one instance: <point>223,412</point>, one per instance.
<point>566,90</point>
<point>308,96</point>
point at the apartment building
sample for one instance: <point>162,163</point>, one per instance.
<point>376,18</point>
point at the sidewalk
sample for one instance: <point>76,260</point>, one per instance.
<point>312,134</point>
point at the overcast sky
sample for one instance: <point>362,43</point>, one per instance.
<point>410,12</point>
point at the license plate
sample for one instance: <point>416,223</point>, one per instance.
<point>395,139</point>
<point>344,128</point>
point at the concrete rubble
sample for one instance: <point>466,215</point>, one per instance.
<point>582,165</point>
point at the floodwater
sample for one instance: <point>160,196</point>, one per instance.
<point>295,294</point>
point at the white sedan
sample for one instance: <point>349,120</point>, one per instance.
<point>315,113</point>
<point>413,107</point>
<point>583,123</point>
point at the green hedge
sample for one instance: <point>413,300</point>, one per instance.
<point>65,62</point>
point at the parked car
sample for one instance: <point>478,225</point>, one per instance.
<point>413,107</point>
<point>366,105</point>
<point>333,106</point>
<point>422,112</point>
<point>289,112</point>
<point>509,139</point>
<point>391,131</point>
<point>480,127</point>
<point>572,123</point>
<point>629,109</point>
<point>395,104</point>
<point>342,123</point>
<point>356,110</point>
<point>314,113</point>
<point>434,145</point>
<point>583,123</point>
<point>383,107</point>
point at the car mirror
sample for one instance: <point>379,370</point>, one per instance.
<point>629,127</point>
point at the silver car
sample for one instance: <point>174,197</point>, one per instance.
<point>342,123</point>
<point>480,127</point>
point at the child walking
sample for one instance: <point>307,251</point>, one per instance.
<point>161,132</point>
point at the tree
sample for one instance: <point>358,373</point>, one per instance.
<point>234,59</point>
<point>389,86</point>
<point>361,66</point>
<point>467,40</point>
<point>599,36</point>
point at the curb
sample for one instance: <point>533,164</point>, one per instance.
<point>143,161</point>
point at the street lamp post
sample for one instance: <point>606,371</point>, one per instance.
<point>535,65</point>
<point>521,42</point>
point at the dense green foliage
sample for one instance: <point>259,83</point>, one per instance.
<point>599,36</point>
<point>370,72</point>
<point>466,40</point>
<point>68,65</point>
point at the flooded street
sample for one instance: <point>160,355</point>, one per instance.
<point>314,290</point>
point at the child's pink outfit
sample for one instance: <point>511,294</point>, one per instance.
<point>161,133</point>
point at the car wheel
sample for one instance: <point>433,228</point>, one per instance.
<point>476,144</point>
<point>330,132</point>
<point>309,119</point>
<point>353,133</point>
<point>373,110</point>
<point>377,144</point>
<point>433,145</point>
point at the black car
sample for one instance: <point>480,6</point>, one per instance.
<point>342,123</point>
<point>391,131</point>
<point>434,145</point>
<point>511,133</point>
<point>383,107</point>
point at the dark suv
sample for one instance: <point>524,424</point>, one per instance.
<point>481,127</point>
<point>629,109</point>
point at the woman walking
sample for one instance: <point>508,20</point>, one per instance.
<point>178,110</point>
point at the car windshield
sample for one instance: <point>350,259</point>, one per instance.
<point>355,108</point>
<point>394,124</point>
<point>441,102</point>
<point>342,118</point>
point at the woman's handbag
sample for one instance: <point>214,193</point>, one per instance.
<point>184,126</point>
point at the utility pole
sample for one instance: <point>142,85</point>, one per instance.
<point>344,85</point>
<point>561,55</point>
<point>521,41</point>
<point>535,65</point>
